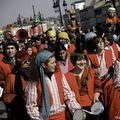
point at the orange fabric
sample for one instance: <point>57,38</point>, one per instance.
<point>9,89</point>
<point>42,46</point>
<point>108,59</point>
<point>83,100</point>
<point>70,65</point>
<point>59,116</point>
<point>111,98</point>
<point>58,77</point>
<point>1,56</point>
<point>114,46</point>
<point>5,70</point>
<point>33,32</point>
<point>94,60</point>
<point>113,20</point>
<point>34,50</point>
<point>71,48</point>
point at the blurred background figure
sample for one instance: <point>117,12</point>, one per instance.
<point>36,29</point>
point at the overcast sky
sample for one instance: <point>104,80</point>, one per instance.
<point>9,9</point>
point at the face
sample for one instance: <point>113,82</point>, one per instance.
<point>21,46</point>
<point>100,45</point>
<point>112,14</point>
<point>81,63</point>
<point>52,39</point>
<point>38,42</point>
<point>25,63</point>
<point>107,43</point>
<point>63,41</point>
<point>29,51</point>
<point>50,66</point>
<point>63,54</point>
<point>11,51</point>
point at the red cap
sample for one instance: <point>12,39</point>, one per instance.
<point>22,55</point>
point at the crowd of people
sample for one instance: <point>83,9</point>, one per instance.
<point>49,76</point>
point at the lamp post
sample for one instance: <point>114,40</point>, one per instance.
<point>33,10</point>
<point>65,6</point>
<point>56,6</point>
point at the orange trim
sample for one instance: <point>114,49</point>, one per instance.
<point>58,116</point>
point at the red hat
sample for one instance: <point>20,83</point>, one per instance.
<point>22,55</point>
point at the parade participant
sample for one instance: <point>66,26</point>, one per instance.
<point>46,97</point>
<point>36,29</point>
<point>63,59</point>
<point>110,44</point>
<point>51,39</point>
<point>65,40</point>
<point>29,50</point>
<point>112,17</point>
<point>85,83</point>
<point>103,61</point>
<point>73,26</point>
<point>8,62</point>
<point>7,35</point>
<point>37,44</point>
<point>15,85</point>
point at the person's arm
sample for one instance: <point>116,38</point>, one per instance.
<point>69,96</point>
<point>31,102</point>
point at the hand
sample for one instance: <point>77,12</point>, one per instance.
<point>96,97</point>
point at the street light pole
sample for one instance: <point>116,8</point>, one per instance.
<point>60,13</point>
<point>33,10</point>
<point>56,4</point>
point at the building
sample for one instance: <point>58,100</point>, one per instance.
<point>95,12</point>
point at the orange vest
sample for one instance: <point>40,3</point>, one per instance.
<point>34,30</point>
<point>6,68</point>
<point>83,100</point>
<point>113,20</point>
<point>114,46</point>
<point>58,77</point>
<point>108,59</point>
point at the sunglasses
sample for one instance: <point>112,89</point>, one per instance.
<point>26,62</point>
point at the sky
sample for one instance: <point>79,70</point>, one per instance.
<point>9,9</point>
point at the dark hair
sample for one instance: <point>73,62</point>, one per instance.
<point>75,56</point>
<point>10,42</point>
<point>109,37</point>
<point>58,48</point>
<point>92,44</point>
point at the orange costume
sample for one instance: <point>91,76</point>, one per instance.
<point>35,30</point>
<point>59,116</point>
<point>5,70</point>
<point>93,85</point>
<point>113,20</point>
<point>110,94</point>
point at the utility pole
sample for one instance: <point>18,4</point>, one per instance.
<point>33,10</point>
<point>60,13</point>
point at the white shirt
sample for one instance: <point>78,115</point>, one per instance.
<point>56,107</point>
